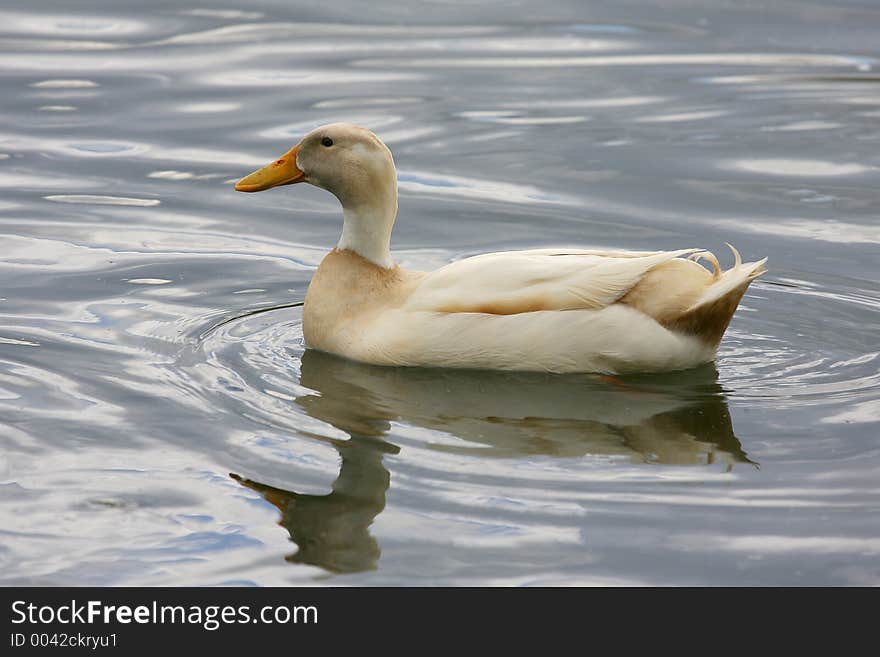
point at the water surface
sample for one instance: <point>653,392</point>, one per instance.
<point>157,430</point>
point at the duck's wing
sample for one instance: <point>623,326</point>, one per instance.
<point>513,282</point>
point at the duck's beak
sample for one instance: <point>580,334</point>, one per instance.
<point>282,171</point>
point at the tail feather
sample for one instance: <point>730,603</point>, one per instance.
<point>713,260</point>
<point>710,316</point>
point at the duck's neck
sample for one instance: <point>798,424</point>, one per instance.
<point>367,228</point>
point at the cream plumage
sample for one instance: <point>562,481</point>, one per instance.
<point>558,310</point>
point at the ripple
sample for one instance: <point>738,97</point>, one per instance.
<point>825,230</point>
<point>57,45</point>
<point>782,544</point>
<point>267,77</point>
<point>65,84</point>
<point>281,32</point>
<point>37,180</point>
<point>604,28</point>
<point>590,103</point>
<point>682,116</point>
<point>103,200</point>
<point>102,148</point>
<point>171,174</point>
<point>367,101</point>
<point>801,126</point>
<point>506,117</point>
<point>148,281</point>
<point>791,358</point>
<point>19,342</point>
<point>417,182</point>
<point>72,25</point>
<point>690,59</point>
<point>96,148</point>
<point>225,14</point>
<point>797,167</point>
<point>863,412</point>
<point>208,107</point>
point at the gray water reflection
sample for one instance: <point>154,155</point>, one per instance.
<point>135,374</point>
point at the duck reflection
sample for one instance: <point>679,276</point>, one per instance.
<point>679,418</point>
<point>332,531</point>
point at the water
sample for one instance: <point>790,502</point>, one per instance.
<point>157,429</point>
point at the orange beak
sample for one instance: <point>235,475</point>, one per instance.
<point>282,171</point>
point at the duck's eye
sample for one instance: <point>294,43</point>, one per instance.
<point>326,141</point>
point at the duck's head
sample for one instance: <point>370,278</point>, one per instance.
<point>355,166</point>
<point>342,158</point>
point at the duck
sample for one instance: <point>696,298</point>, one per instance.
<point>559,310</point>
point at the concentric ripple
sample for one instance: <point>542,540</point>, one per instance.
<point>823,352</point>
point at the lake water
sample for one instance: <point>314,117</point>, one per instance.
<point>162,424</point>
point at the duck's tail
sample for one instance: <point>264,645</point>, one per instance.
<point>710,315</point>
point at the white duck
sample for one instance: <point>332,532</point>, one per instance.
<point>556,310</point>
